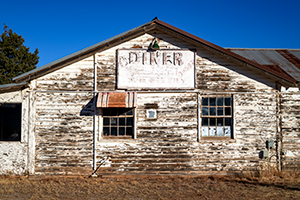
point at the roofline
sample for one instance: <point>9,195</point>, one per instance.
<point>143,28</point>
<point>12,87</point>
<point>258,49</point>
<point>77,54</point>
<point>227,52</point>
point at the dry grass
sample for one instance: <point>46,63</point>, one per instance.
<point>250,186</point>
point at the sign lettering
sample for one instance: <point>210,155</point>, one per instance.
<point>161,69</point>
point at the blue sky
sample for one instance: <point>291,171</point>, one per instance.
<point>61,27</point>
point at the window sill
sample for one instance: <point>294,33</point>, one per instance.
<point>217,139</point>
<point>106,139</point>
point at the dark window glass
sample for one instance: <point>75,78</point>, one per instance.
<point>117,121</point>
<point>227,101</point>
<point>129,112</point>
<point>113,121</point>
<point>212,101</point>
<point>106,121</point>
<point>212,121</point>
<point>220,111</point>
<point>114,131</point>
<point>121,130</point>
<point>227,121</point>
<point>220,122</point>
<point>122,121</point>
<point>129,131</point>
<point>106,131</point>
<point>10,122</point>
<point>227,111</point>
<point>129,121</point>
<point>220,101</point>
<point>212,111</point>
<point>204,110</point>
<point>204,101</point>
<point>122,111</point>
<point>204,121</point>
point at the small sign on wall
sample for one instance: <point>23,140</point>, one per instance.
<point>161,69</point>
<point>151,114</point>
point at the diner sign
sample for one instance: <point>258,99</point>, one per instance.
<point>160,69</point>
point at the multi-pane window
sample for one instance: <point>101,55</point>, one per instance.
<point>118,122</point>
<point>216,114</point>
<point>10,122</point>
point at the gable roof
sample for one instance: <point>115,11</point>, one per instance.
<point>276,72</point>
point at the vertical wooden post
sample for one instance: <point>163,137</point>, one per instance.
<point>94,116</point>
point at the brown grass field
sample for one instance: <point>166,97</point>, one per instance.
<point>280,186</point>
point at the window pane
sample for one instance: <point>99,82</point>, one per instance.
<point>212,121</point>
<point>105,130</point>
<point>227,121</point>
<point>220,122</point>
<point>122,121</point>
<point>227,101</point>
<point>129,121</point>
<point>10,122</point>
<point>220,111</point>
<point>220,131</point>
<point>129,131</point>
<point>122,111</point>
<point>227,111</point>
<point>205,111</point>
<point>204,121</point>
<point>114,131</point>
<point>113,121</point>
<point>212,111</point>
<point>106,121</point>
<point>220,101</point>
<point>121,130</point>
<point>129,112</point>
<point>227,131</point>
<point>212,101</point>
<point>204,101</point>
<point>204,131</point>
<point>212,131</point>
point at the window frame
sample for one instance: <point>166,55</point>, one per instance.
<point>216,116</point>
<point>101,123</point>
<point>2,135</point>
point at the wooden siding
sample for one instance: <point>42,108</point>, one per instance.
<point>164,144</point>
<point>290,127</point>
<point>75,77</point>
<point>64,123</point>
<point>64,133</point>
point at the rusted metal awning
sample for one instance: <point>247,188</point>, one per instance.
<point>116,100</point>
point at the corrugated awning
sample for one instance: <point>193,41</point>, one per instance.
<point>116,100</point>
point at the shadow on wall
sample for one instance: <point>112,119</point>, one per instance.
<point>89,108</point>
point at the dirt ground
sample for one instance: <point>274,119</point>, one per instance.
<point>149,187</point>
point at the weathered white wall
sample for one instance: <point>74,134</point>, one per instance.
<point>290,128</point>
<point>14,155</point>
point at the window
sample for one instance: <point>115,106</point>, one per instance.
<point>10,122</point>
<point>118,122</point>
<point>216,114</point>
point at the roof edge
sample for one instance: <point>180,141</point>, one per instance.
<point>12,87</point>
<point>226,51</point>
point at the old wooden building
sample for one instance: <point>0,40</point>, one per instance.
<point>154,100</point>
